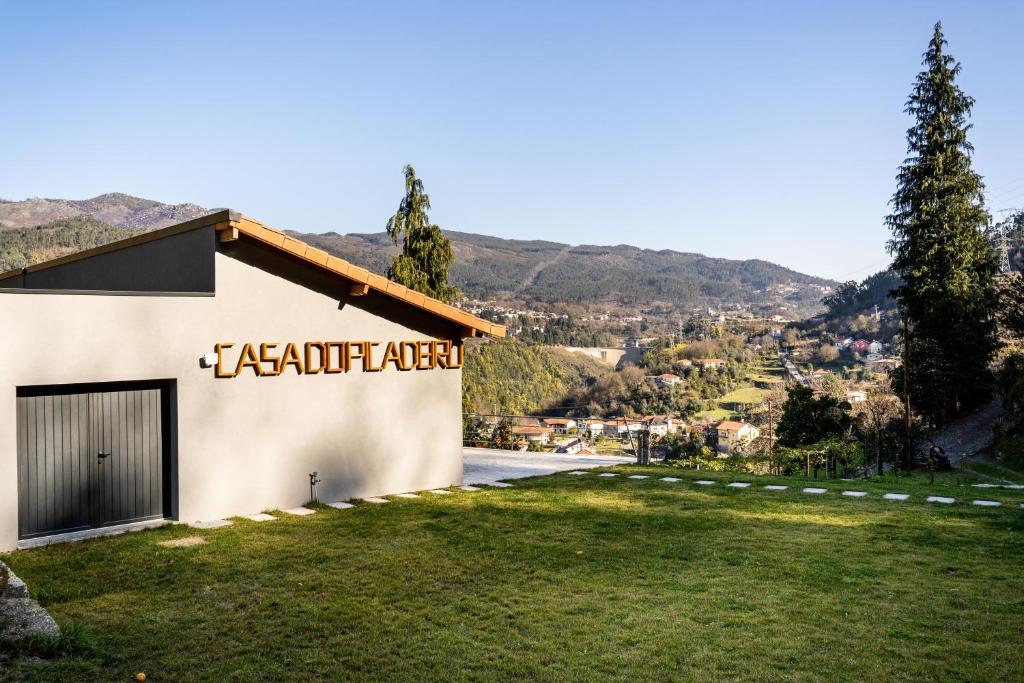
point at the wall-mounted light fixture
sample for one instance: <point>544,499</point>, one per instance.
<point>314,479</point>
<point>208,361</point>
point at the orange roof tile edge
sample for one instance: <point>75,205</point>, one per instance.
<point>375,282</point>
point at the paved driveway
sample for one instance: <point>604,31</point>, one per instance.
<point>485,465</point>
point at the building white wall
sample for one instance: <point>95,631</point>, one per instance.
<point>248,443</point>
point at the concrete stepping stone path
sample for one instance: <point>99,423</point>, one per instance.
<point>375,500</point>
<point>608,474</point>
<point>775,487</point>
<point>896,496</point>
<point>638,476</point>
<point>184,542</point>
<point>811,489</point>
<point>261,517</point>
<point>577,472</point>
<point>340,505</point>
<point>704,482</point>
<point>855,494</point>
<point>406,495</point>
<point>440,492</point>
<point>469,488</point>
<point>300,511</point>
<point>739,484</point>
<point>988,503</point>
<point>671,479</point>
<point>499,484</point>
<point>210,524</point>
<point>940,499</point>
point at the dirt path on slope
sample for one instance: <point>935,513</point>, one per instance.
<point>965,437</point>
<point>535,272</point>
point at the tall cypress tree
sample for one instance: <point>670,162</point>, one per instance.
<point>949,296</point>
<point>426,252</point>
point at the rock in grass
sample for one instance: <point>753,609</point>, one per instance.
<point>24,617</point>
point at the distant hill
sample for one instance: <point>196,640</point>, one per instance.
<point>24,246</point>
<point>115,209</point>
<point>486,267</point>
<point>536,270</point>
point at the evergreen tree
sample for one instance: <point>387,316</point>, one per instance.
<point>426,252</point>
<point>948,296</point>
<point>807,420</point>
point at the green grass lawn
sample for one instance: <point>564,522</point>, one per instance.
<point>748,395</point>
<point>560,578</point>
<point>767,379</point>
<point>714,415</point>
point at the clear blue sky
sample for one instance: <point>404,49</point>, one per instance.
<point>742,130</point>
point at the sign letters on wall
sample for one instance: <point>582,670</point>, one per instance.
<point>333,357</point>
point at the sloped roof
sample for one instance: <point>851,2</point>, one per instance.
<point>730,425</point>
<point>231,225</point>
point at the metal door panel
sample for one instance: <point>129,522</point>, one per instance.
<point>63,483</point>
<point>54,462</point>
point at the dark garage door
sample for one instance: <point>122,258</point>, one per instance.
<point>89,458</point>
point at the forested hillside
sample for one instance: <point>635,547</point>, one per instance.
<point>510,377</point>
<point>550,272</point>
<point>25,246</point>
<point>853,298</point>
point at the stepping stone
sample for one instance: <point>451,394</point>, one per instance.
<point>813,490</point>
<point>855,494</point>
<point>340,505</point>
<point>739,484</point>
<point>440,492</point>
<point>500,484</point>
<point>940,499</point>
<point>1014,486</point>
<point>375,500</point>
<point>469,488</point>
<point>670,479</point>
<point>300,511</point>
<point>775,487</point>
<point>210,524</point>
<point>406,495</point>
<point>988,503</point>
<point>638,476</point>
<point>184,542</point>
<point>577,472</point>
<point>608,474</point>
<point>704,482</point>
<point>985,486</point>
<point>261,517</point>
<point>896,496</point>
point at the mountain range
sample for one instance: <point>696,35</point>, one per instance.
<point>486,268</point>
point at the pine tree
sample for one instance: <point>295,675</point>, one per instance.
<point>948,296</point>
<point>426,252</point>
